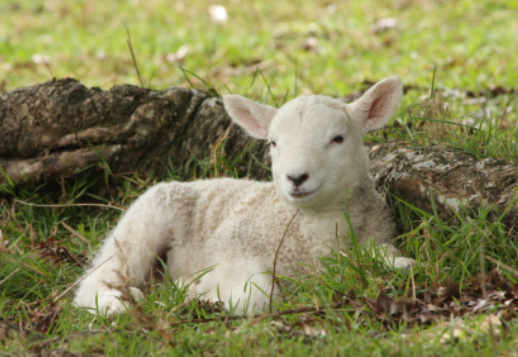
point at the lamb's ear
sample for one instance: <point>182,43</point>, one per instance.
<point>255,118</point>
<point>376,106</point>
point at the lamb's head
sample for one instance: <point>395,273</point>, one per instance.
<point>316,141</point>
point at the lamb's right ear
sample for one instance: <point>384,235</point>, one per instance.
<point>375,107</point>
<point>255,118</point>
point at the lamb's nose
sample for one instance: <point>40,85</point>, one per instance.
<point>298,179</point>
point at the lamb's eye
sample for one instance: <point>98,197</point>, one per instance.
<point>338,139</point>
<point>273,143</point>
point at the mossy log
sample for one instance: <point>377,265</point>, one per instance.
<point>59,128</point>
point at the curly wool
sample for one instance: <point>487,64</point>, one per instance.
<point>229,229</point>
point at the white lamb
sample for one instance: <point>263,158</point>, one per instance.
<point>234,227</point>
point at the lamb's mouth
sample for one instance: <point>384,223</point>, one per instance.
<point>301,194</point>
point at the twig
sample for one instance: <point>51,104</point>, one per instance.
<point>434,76</point>
<point>47,341</point>
<point>274,269</point>
<point>261,316</point>
<point>177,307</point>
<point>66,205</point>
<point>133,58</point>
<point>507,105</point>
<point>503,265</point>
<point>9,276</point>
<point>77,235</point>
<point>215,148</point>
<point>412,280</point>
<point>74,284</point>
<point>28,266</point>
<point>49,68</point>
<point>483,266</point>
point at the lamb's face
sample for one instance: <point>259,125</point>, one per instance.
<point>316,152</point>
<point>316,141</point>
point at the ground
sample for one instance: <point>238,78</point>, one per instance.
<point>457,60</point>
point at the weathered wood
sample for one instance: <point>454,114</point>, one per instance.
<point>59,128</point>
<point>450,179</point>
<point>56,129</point>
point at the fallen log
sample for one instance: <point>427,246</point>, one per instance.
<point>59,128</point>
<point>446,180</point>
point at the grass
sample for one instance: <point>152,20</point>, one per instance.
<point>452,55</point>
<point>471,43</point>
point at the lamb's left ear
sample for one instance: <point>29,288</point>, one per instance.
<point>376,106</point>
<point>254,117</point>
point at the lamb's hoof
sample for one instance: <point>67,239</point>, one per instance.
<point>402,263</point>
<point>110,302</point>
<point>136,293</point>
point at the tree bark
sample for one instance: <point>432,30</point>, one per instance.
<point>446,180</point>
<point>59,128</point>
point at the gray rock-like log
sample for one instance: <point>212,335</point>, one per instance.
<point>59,128</point>
<point>452,180</point>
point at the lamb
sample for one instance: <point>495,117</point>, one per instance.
<point>231,228</point>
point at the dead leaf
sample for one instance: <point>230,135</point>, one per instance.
<point>384,25</point>
<point>460,329</point>
<point>39,58</point>
<point>454,329</point>
<point>491,324</point>
<point>482,304</point>
<point>280,326</point>
<point>54,251</point>
<point>218,14</point>
<point>311,44</point>
<point>179,55</point>
<point>44,317</point>
<point>311,331</point>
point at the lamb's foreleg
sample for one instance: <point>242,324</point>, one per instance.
<point>128,254</point>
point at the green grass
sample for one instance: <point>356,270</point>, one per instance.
<point>266,51</point>
<point>472,43</point>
